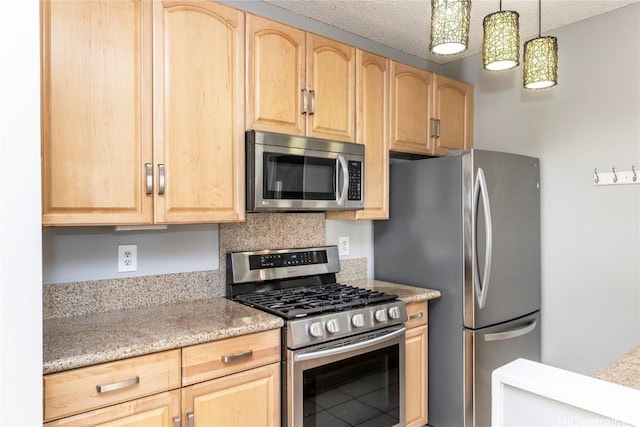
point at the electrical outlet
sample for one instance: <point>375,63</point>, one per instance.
<point>343,245</point>
<point>127,258</point>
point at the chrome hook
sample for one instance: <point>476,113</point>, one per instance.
<point>615,176</point>
<point>635,177</point>
<point>595,172</point>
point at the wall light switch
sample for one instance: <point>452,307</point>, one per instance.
<point>343,245</point>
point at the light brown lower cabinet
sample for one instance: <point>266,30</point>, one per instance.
<point>230,382</point>
<point>416,358</point>
<point>248,398</point>
<point>158,410</point>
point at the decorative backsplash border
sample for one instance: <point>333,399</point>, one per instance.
<point>260,231</point>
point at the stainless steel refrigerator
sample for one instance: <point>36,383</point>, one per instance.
<point>468,225</point>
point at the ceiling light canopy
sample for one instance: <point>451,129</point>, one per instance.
<point>501,40</point>
<point>449,26</point>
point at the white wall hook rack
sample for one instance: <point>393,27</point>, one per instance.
<point>615,178</point>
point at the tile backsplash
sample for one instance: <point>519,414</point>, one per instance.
<point>259,231</point>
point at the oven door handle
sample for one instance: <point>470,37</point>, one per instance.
<point>347,348</point>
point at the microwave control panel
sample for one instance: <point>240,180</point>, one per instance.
<point>355,180</point>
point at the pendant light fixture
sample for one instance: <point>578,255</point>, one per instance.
<point>540,69</point>
<point>501,40</point>
<point>449,26</point>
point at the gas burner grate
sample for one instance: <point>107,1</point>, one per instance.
<point>305,301</point>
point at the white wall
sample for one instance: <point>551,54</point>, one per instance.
<point>76,254</point>
<point>590,235</point>
<point>20,259</point>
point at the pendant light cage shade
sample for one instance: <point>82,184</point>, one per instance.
<point>540,69</point>
<point>449,26</point>
<point>501,41</point>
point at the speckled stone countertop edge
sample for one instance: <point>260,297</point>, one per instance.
<point>624,371</point>
<point>86,340</point>
<point>68,343</point>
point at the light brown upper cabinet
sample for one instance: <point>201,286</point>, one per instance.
<point>142,112</point>
<point>453,110</point>
<point>430,114</point>
<point>299,83</point>
<point>372,130</point>
<point>411,94</point>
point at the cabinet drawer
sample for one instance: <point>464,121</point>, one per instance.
<point>219,358</point>
<point>157,410</point>
<point>83,389</point>
<point>417,313</point>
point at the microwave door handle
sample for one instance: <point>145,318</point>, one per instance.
<point>341,164</point>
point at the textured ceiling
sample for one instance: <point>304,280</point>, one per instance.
<point>404,24</point>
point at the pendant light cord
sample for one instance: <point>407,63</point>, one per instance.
<point>539,18</point>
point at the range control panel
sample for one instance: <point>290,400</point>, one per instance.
<point>289,259</point>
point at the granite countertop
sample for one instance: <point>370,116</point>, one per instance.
<point>624,371</point>
<point>78,341</point>
<point>73,342</point>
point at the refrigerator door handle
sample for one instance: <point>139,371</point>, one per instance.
<point>482,286</point>
<point>499,336</point>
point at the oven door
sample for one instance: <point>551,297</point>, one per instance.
<point>349,382</point>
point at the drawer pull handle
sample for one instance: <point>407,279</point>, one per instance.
<point>190,420</point>
<point>119,385</point>
<point>416,316</point>
<point>177,421</point>
<point>234,357</point>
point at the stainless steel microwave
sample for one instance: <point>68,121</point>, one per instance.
<point>295,173</point>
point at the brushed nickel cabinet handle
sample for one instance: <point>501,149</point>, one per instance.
<point>161,178</point>
<point>119,385</point>
<point>149,177</point>
<point>438,128</point>
<point>312,110</point>
<point>432,122</point>
<point>190,420</point>
<point>234,357</point>
<point>177,421</point>
<point>303,94</point>
<point>416,316</point>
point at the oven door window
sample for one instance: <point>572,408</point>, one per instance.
<point>358,391</point>
<point>294,177</point>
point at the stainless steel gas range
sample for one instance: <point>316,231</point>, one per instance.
<point>343,346</point>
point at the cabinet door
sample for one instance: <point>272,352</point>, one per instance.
<point>96,112</point>
<point>157,410</point>
<point>198,112</point>
<point>248,398</point>
<point>453,107</point>
<point>372,130</point>
<point>331,76</point>
<point>416,356</point>
<point>276,76</point>
<point>416,375</point>
<point>411,92</point>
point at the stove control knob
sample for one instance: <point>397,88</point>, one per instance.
<point>394,313</point>
<point>315,329</point>
<point>333,326</point>
<point>381,315</point>
<point>358,320</point>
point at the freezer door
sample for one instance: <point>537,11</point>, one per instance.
<point>501,207</point>
<point>488,349</point>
